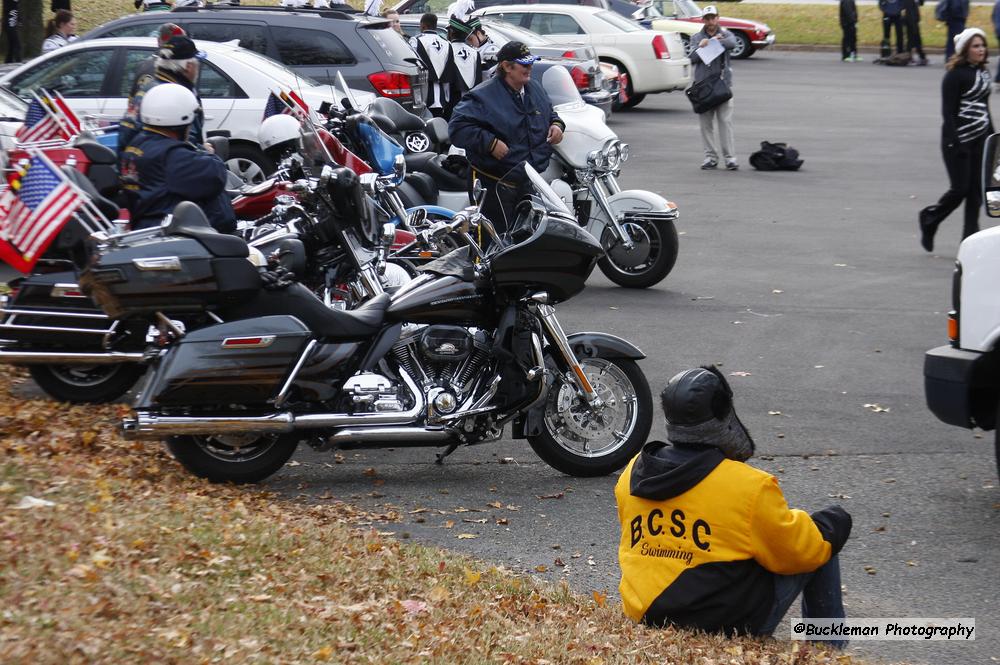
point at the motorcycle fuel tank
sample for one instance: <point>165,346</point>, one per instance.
<point>441,299</point>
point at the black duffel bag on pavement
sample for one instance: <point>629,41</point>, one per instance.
<point>775,157</point>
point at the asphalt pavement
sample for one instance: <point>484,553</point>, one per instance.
<point>810,290</point>
<point>811,283</point>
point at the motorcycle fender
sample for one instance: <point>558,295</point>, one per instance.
<point>630,199</point>
<point>584,345</point>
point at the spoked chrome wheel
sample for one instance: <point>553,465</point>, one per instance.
<point>236,458</point>
<point>583,441</point>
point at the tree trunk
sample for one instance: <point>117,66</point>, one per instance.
<point>29,17</point>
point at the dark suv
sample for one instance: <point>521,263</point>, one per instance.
<point>315,42</point>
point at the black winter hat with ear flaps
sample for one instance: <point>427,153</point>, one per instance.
<point>698,404</point>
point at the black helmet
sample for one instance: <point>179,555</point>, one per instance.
<point>698,404</point>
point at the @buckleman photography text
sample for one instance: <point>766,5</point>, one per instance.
<point>884,629</point>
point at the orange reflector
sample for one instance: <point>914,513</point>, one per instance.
<point>426,255</point>
<point>584,383</point>
<point>953,328</point>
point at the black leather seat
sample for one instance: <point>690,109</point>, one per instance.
<point>327,324</point>
<point>107,207</point>
<point>96,152</point>
<point>430,163</point>
<point>189,220</point>
<point>400,117</point>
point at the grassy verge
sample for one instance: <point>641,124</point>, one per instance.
<point>132,561</point>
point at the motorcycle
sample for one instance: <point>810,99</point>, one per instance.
<point>635,227</point>
<point>450,359</point>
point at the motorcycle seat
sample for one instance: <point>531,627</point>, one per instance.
<point>94,151</point>
<point>430,163</point>
<point>189,220</point>
<point>400,117</point>
<point>327,324</point>
<point>107,207</point>
<point>423,185</point>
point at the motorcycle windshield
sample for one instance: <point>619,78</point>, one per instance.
<point>380,146</point>
<point>560,88</point>
<point>548,196</point>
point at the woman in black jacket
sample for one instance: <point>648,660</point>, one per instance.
<point>965,108</point>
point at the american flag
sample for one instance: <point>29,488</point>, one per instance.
<point>69,117</point>
<point>276,106</point>
<point>38,210</point>
<point>39,124</point>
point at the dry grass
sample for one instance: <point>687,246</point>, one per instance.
<point>135,561</point>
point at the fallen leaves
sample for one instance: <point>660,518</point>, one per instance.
<point>876,408</point>
<point>557,495</point>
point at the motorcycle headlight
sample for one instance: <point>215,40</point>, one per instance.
<point>596,159</point>
<point>613,155</point>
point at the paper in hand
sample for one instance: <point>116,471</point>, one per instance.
<point>711,51</point>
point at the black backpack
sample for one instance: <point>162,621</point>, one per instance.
<point>775,157</point>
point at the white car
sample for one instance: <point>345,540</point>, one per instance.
<point>95,77</point>
<point>12,110</point>
<point>653,61</point>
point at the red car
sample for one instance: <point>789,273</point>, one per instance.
<point>684,16</point>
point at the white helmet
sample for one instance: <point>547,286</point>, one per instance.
<point>278,129</point>
<point>168,105</point>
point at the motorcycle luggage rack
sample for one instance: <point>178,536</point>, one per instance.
<point>10,315</point>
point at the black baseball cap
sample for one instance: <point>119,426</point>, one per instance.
<point>516,52</point>
<point>180,47</point>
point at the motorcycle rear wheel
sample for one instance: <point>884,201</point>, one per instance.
<point>586,444</point>
<point>658,238</point>
<point>86,384</point>
<point>232,458</point>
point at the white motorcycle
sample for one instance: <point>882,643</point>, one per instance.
<point>635,227</point>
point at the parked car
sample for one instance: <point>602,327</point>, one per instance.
<point>684,16</point>
<point>650,60</point>
<point>316,43</point>
<point>595,87</point>
<point>12,112</point>
<point>95,76</point>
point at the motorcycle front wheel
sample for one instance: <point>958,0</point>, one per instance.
<point>586,443</point>
<point>651,259</point>
<point>86,384</point>
<point>232,458</point>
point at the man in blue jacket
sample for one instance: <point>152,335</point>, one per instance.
<point>503,123</point>
<point>159,169</point>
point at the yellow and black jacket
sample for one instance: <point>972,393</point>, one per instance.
<point>703,536</point>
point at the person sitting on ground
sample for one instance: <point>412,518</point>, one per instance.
<point>707,541</point>
<point>159,168</point>
<point>61,30</point>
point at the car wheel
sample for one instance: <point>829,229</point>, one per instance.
<point>248,163</point>
<point>743,47</point>
<point>618,105</point>
<point>634,100</point>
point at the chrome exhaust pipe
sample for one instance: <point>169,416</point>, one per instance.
<point>146,425</point>
<point>68,358</point>
<point>362,437</point>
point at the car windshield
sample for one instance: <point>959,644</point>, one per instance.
<point>11,106</point>
<point>514,32</point>
<point>273,69</point>
<point>619,21</point>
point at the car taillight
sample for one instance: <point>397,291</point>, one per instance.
<point>580,77</point>
<point>660,49</point>
<point>391,84</point>
<point>571,54</point>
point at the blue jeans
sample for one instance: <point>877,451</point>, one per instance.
<point>821,597</point>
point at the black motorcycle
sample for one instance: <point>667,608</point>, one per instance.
<point>469,346</point>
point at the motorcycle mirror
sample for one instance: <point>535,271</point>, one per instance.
<point>417,218</point>
<point>991,175</point>
<point>478,193</point>
<point>399,168</point>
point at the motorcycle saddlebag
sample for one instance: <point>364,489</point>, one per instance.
<point>242,362</point>
<point>172,274</point>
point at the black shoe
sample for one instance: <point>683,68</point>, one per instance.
<point>928,227</point>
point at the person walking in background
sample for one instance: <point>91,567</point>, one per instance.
<point>953,13</point>
<point>466,66</point>
<point>849,26</point>
<point>723,113</point>
<point>12,29</point>
<point>914,43</point>
<point>61,30</point>
<point>965,93</point>
<point>892,17</point>
<point>435,53</point>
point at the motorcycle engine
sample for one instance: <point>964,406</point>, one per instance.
<point>445,360</point>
